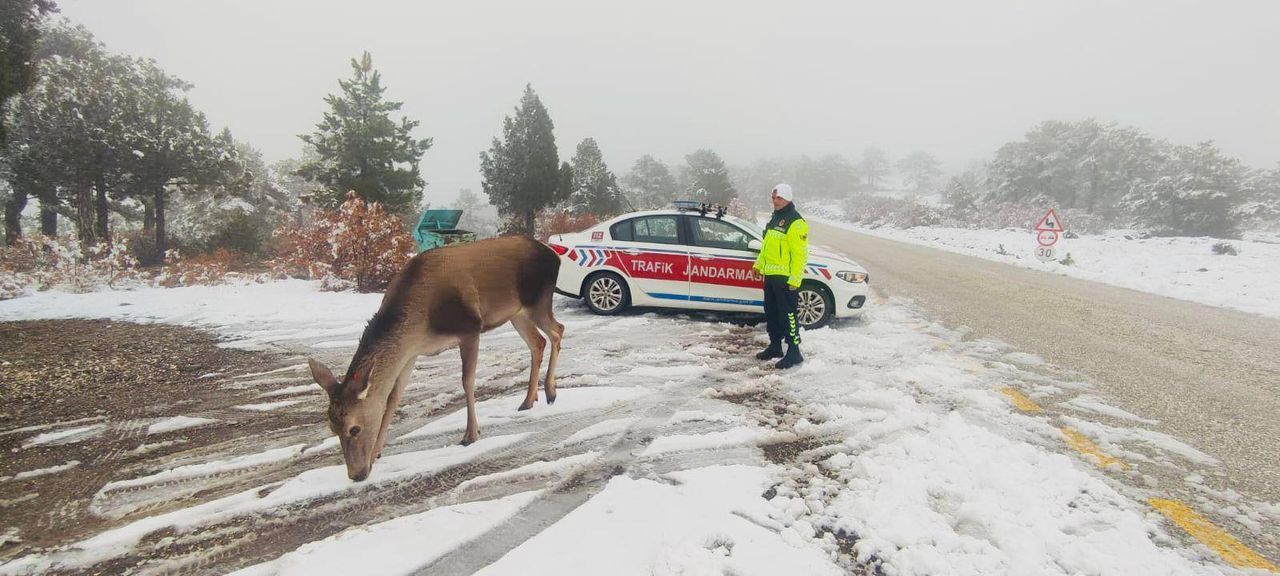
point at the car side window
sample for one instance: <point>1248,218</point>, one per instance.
<point>621,231</point>
<point>708,233</point>
<point>656,229</point>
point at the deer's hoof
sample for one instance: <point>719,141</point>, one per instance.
<point>527,404</point>
<point>551,399</point>
<point>470,438</point>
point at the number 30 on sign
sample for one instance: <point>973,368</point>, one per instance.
<point>1044,253</point>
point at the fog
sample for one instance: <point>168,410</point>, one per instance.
<point>746,79</point>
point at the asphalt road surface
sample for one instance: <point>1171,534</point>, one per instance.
<point>1210,376</point>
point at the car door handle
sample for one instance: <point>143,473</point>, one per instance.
<point>632,251</point>
<point>703,256</point>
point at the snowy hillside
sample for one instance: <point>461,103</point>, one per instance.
<point>1178,267</point>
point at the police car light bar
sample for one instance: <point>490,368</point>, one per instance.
<point>701,207</point>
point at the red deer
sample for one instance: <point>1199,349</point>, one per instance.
<point>443,298</point>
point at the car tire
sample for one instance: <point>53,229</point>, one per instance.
<point>606,293</point>
<point>815,306</point>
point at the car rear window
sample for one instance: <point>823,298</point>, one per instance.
<point>621,231</point>
<point>656,229</point>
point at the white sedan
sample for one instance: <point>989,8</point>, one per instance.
<point>698,258</point>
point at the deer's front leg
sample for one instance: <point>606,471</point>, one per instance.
<point>469,346</point>
<point>392,403</point>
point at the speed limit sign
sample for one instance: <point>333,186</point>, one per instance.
<point>1044,253</point>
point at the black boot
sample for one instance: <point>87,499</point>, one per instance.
<point>792,358</point>
<point>773,351</point>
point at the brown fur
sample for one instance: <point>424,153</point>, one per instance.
<point>443,298</point>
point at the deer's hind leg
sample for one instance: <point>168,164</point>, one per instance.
<point>529,332</point>
<point>544,317</point>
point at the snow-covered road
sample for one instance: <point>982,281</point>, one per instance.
<point>670,450</point>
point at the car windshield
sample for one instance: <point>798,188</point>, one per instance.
<point>751,227</point>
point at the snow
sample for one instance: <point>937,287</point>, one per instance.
<point>251,312</point>
<point>42,471</point>
<point>697,522</point>
<point>561,468</point>
<point>404,545</point>
<point>268,406</point>
<point>178,423</point>
<point>208,468</point>
<point>1183,268</point>
<point>599,430</point>
<point>68,436</point>
<point>310,485</point>
<point>739,436</point>
<point>911,456</point>
<point>1113,435</point>
<point>1097,406</point>
<point>498,411</point>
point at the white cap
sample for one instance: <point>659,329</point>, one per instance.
<point>783,191</point>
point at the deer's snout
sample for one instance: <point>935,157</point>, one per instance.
<point>359,476</point>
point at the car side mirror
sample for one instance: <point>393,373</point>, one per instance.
<point>754,245</point>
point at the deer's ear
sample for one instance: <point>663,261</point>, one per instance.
<point>359,384</point>
<point>321,374</point>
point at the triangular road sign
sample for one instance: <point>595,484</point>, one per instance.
<point>1049,222</point>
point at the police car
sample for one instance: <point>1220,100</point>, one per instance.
<point>694,256</point>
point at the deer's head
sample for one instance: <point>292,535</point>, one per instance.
<point>354,415</point>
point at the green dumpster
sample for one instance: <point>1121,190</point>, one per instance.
<point>438,228</point>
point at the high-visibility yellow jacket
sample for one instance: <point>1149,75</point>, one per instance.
<point>786,246</point>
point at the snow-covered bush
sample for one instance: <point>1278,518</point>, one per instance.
<point>1225,249</point>
<point>198,270</point>
<point>360,245</point>
<point>552,222</point>
<point>43,263</point>
<point>880,211</point>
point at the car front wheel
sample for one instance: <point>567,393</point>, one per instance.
<point>607,294</point>
<point>814,307</point>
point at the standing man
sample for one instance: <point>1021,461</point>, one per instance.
<point>781,261</point>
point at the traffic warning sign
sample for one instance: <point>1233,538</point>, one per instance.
<point>1049,222</point>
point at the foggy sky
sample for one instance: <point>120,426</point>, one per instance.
<point>747,79</point>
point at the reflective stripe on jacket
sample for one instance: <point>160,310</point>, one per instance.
<point>786,246</point>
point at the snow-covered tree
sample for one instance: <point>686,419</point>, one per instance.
<point>650,184</point>
<point>595,188</point>
<point>19,35</point>
<point>1198,193</point>
<point>522,171</point>
<point>920,170</point>
<point>874,166</point>
<point>707,178</point>
<point>69,132</point>
<point>1262,204</point>
<point>239,211</point>
<point>477,215</point>
<point>172,150</point>
<point>361,148</point>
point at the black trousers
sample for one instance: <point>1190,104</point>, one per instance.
<point>780,303</point>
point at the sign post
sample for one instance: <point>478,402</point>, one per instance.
<point>1047,231</point>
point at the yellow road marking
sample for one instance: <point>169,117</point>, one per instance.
<point>1230,549</point>
<point>1085,446</point>
<point>1019,401</point>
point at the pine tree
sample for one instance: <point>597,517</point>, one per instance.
<point>70,131</point>
<point>172,149</point>
<point>362,149</point>
<point>1197,194</point>
<point>708,178</point>
<point>521,173</point>
<point>19,35</point>
<point>650,184</point>
<point>595,188</point>
<point>874,166</point>
<point>919,170</point>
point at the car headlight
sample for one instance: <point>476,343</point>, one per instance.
<point>851,276</point>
